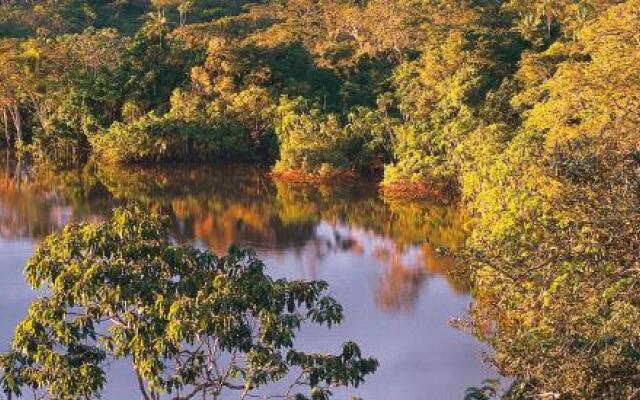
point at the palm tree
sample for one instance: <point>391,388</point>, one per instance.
<point>183,9</point>
<point>156,24</point>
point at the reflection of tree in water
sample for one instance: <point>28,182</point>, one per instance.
<point>36,201</point>
<point>411,241</point>
<point>399,284</point>
<point>405,274</point>
<point>216,206</point>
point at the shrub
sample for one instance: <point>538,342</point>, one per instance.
<point>154,138</point>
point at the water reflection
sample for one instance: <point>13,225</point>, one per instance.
<point>221,205</point>
<point>387,262</point>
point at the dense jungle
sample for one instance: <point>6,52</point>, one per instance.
<point>162,158</point>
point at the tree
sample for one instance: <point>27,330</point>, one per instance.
<point>192,324</point>
<point>438,97</point>
<point>157,25</point>
<point>11,92</point>
<point>183,8</point>
<point>556,240</point>
<point>543,21</point>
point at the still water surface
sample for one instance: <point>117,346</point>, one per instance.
<point>383,260</point>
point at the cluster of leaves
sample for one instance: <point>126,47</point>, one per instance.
<point>312,141</point>
<point>62,92</point>
<point>153,138</point>
<point>191,323</point>
<point>556,239</point>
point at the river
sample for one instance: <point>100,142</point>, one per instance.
<point>386,261</point>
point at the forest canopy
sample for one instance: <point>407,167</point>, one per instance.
<point>319,88</point>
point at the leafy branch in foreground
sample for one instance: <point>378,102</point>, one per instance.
<point>192,324</point>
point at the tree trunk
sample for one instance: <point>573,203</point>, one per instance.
<point>5,120</point>
<point>141,386</point>
<point>17,121</point>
